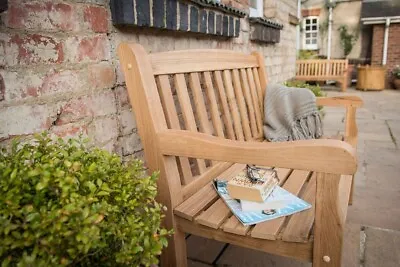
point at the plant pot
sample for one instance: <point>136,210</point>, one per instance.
<point>396,83</point>
<point>371,78</point>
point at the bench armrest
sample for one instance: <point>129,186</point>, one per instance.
<point>351,103</point>
<point>329,156</point>
<point>344,101</point>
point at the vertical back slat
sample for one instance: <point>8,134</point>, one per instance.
<point>187,111</point>
<point>200,105</point>
<point>249,102</point>
<point>262,74</point>
<point>224,103</point>
<point>212,100</point>
<point>242,105</point>
<point>259,89</point>
<point>237,125</point>
<point>255,101</point>
<point>173,122</point>
<point>253,86</point>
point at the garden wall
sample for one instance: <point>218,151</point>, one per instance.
<point>60,72</point>
<point>393,52</point>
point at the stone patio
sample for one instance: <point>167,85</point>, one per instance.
<point>372,236</point>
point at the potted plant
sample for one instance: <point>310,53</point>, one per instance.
<point>396,77</point>
<point>62,203</point>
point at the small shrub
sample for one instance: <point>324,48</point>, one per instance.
<point>316,89</point>
<point>62,203</point>
<point>307,54</point>
<point>396,72</point>
<point>347,39</point>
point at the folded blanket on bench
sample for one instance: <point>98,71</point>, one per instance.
<point>290,114</point>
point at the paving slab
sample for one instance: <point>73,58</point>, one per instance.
<point>382,248</point>
<point>203,249</point>
<point>375,207</point>
<point>192,263</point>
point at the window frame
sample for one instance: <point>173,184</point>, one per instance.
<point>310,46</point>
<point>257,12</point>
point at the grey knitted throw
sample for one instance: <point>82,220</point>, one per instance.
<point>290,114</point>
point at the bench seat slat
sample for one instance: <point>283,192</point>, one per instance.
<point>234,226</point>
<point>215,215</point>
<point>300,224</point>
<point>205,197</point>
<point>270,229</point>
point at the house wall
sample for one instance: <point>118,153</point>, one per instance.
<point>345,13</point>
<point>60,70</point>
<point>393,52</point>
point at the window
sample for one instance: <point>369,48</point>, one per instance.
<point>256,8</point>
<point>310,36</point>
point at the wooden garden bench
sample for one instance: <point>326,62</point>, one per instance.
<point>199,116</point>
<point>323,70</point>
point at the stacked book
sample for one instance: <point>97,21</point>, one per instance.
<point>257,198</point>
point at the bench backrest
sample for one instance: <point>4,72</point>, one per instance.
<point>321,68</point>
<point>216,92</point>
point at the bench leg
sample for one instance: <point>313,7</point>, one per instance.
<point>329,225</point>
<point>344,84</point>
<point>351,192</point>
<point>175,253</point>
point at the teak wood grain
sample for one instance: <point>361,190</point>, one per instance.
<point>208,105</point>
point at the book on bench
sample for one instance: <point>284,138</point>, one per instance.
<point>280,203</point>
<point>243,188</point>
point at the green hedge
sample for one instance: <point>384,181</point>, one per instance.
<point>62,203</point>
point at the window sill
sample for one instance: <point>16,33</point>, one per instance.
<point>197,16</point>
<point>265,30</point>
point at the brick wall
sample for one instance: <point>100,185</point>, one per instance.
<point>393,53</point>
<point>60,71</point>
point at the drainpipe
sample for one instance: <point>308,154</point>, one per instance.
<point>298,26</point>
<point>329,30</point>
<point>385,41</point>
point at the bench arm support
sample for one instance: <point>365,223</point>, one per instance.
<point>340,101</point>
<point>328,156</point>
<point>351,103</point>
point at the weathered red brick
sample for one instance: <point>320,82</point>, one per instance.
<point>87,106</point>
<point>122,97</point>
<point>33,48</point>
<point>92,48</point>
<point>70,130</point>
<point>101,75</point>
<point>29,83</point>
<point>97,18</point>
<point>102,130</point>
<point>26,119</point>
<point>60,82</point>
<point>42,16</point>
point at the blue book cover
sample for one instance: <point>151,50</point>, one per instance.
<point>292,205</point>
